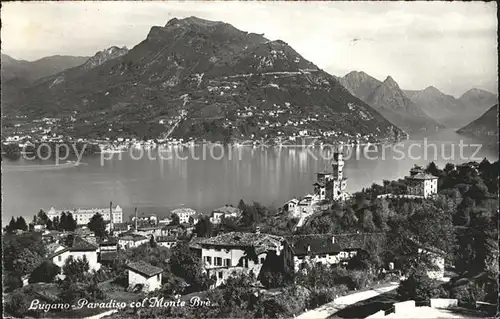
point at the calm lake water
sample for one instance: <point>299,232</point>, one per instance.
<point>269,175</point>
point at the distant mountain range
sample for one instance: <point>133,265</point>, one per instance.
<point>206,79</point>
<point>388,99</point>
<point>416,110</point>
<point>485,126</point>
<point>30,71</point>
<point>450,111</point>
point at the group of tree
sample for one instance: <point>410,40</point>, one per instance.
<point>97,225</point>
<point>65,222</point>
<point>16,224</point>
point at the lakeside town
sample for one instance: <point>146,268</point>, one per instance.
<point>20,132</point>
<point>404,239</point>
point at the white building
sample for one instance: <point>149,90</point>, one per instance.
<point>142,273</point>
<point>422,184</point>
<point>228,253</point>
<point>82,216</point>
<point>184,214</point>
<point>131,240</point>
<point>166,241</point>
<point>78,250</point>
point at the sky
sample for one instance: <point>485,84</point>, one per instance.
<point>449,45</point>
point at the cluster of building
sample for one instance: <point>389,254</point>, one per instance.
<point>329,186</point>
<point>238,252</point>
<point>82,216</point>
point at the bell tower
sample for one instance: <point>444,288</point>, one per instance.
<point>339,181</point>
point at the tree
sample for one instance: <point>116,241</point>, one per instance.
<point>97,225</point>
<point>204,227</point>
<point>26,261</point>
<point>11,226</point>
<point>418,286</point>
<point>360,261</point>
<point>11,282</point>
<point>62,221</point>
<point>187,265</point>
<point>45,272</point>
<point>76,269</point>
<point>433,169</point>
<point>17,305</point>
<point>152,242</point>
<point>70,222</point>
<point>49,224</point>
<point>41,218</point>
<point>21,224</point>
<point>241,205</point>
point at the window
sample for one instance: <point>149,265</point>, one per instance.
<point>158,277</point>
<point>59,258</point>
<point>262,259</point>
<point>208,260</point>
<point>227,262</point>
<point>246,263</point>
<point>220,274</point>
<point>218,261</point>
<point>217,249</point>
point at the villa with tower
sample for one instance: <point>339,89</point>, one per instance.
<point>329,186</point>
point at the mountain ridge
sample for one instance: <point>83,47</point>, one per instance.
<point>387,98</point>
<point>200,75</point>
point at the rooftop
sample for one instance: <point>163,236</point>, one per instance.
<point>228,210</point>
<point>183,210</point>
<point>165,239</point>
<point>132,236</point>
<point>144,268</point>
<point>240,239</point>
<point>344,241</point>
<point>422,176</point>
<point>318,244</point>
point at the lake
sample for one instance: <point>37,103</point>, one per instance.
<point>270,176</point>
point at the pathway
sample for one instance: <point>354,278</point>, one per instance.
<point>340,303</point>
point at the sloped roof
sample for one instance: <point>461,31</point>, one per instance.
<point>183,210</point>
<point>79,244</point>
<point>240,239</point>
<point>343,242</point>
<point>160,239</point>
<point>228,210</point>
<point>422,176</point>
<point>195,242</point>
<point>318,244</point>
<point>144,268</point>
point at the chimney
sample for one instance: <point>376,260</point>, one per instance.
<point>333,239</point>
<point>111,217</point>
<point>136,219</point>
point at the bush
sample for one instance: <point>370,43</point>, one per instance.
<point>17,305</point>
<point>322,296</point>
<point>11,282</point>
<point>469,293</point>
<point>360,279</point>
<point>46,272</point>
<point>418,286</point>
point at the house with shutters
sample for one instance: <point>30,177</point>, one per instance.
<point>78,249</point>
<point>239,252</point>
<point>143,276</point>
<point>328,249</point>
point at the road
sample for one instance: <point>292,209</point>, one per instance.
<point>340,303</point>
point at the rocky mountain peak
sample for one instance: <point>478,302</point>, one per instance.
<point>104,56</point>
<point>389,81</point>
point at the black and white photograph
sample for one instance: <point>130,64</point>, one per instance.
<point>249,159</point>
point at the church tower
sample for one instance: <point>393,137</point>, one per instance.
<point>339,181</point>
